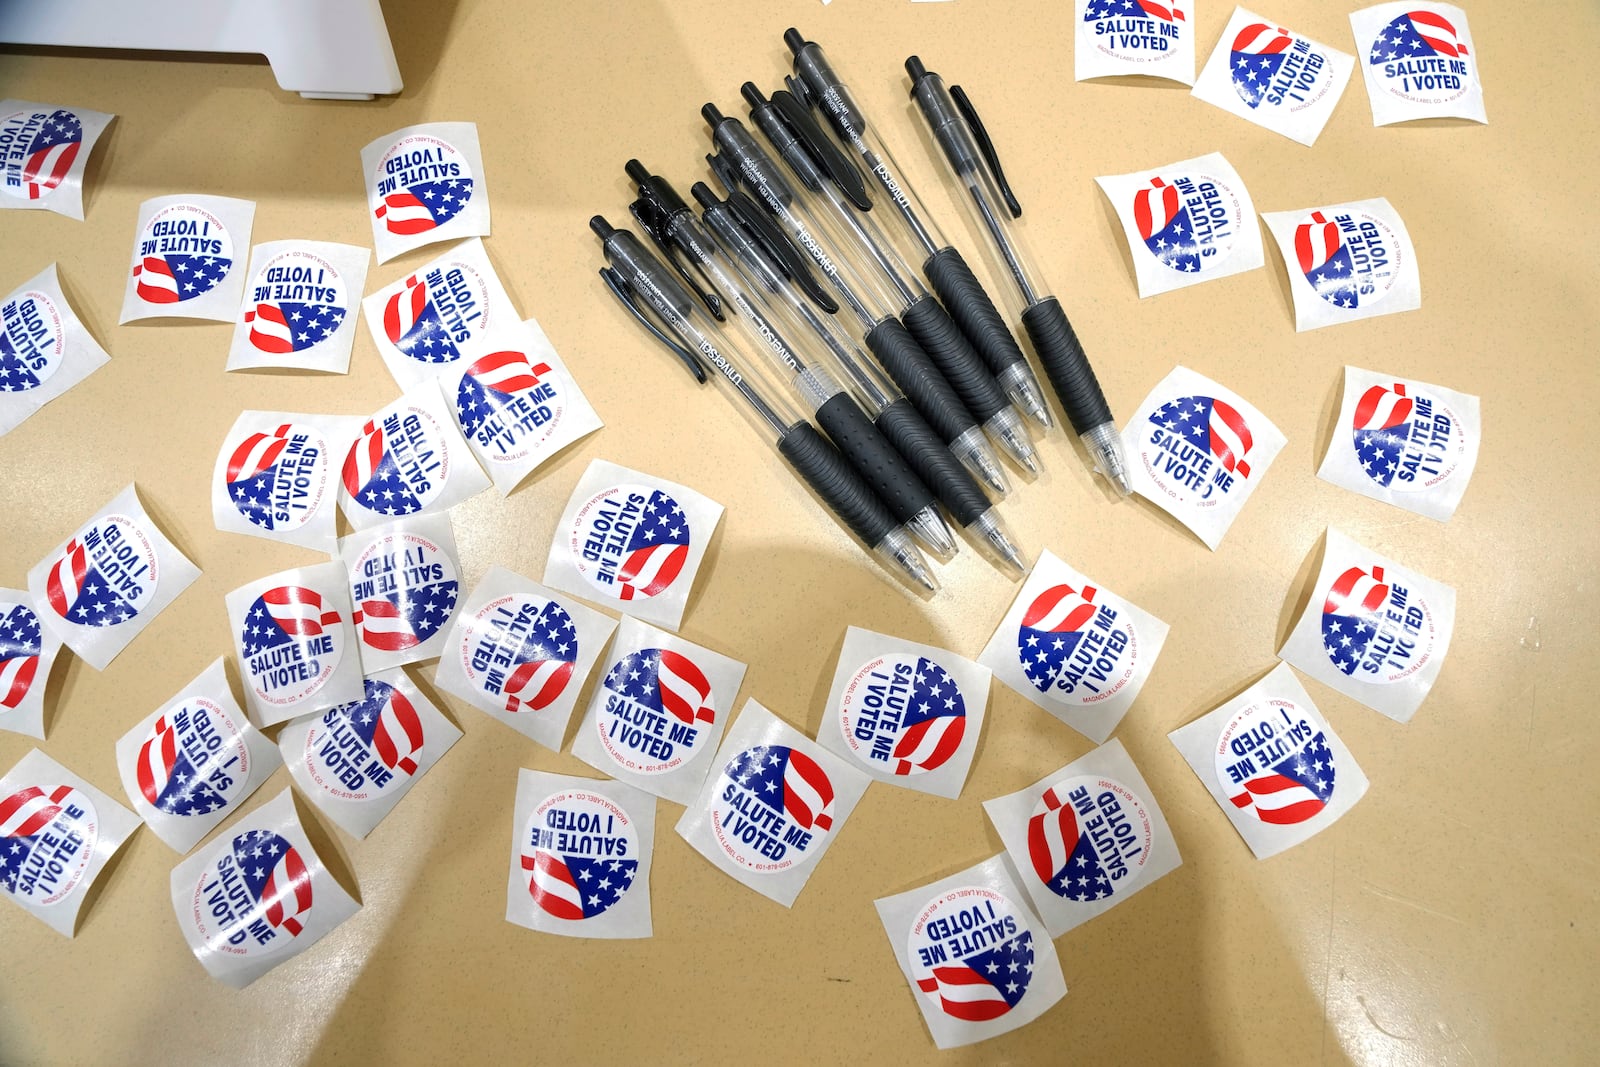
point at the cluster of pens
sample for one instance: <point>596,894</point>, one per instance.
<point>903,442</point>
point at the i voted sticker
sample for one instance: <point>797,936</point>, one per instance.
<point>44,349</point>
<point>399,463</point>
<point>1346,262</point>
<point>1149,37</point>
<point>1419,62</point>
<point>276,476</point>
<point>43,152</point>
<point>431,319</point>
<point>49,833</point>
<point>27,651</point>
<point>295,642</point>
<point>579,854</point>
<point>405,586</point>
<point>186,258</point>
<point>773,808</point>
<point>1409,443</point>
<point>298,306</point>
<point>1274,77</point>
<point>425,184</point>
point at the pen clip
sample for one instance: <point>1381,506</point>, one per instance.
<point>827,155</point>
<point>657,223</point>
<point>725,169</point>
<point>985,146</point>
<point>801,92</point>
<point>776,244</point>
<point>619,288</point>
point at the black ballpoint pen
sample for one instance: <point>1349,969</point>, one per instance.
<point>668,220</point>
<point>971,157</point>
<point>939,371</point>
<point>952,279</point>
<point>634,277</point>
<point>770,262</point>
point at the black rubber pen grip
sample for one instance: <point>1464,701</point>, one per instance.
<point>950,350</point>
<point>911,435</point>
<point>875,459</point>
<point>972,309</point>
<point>1065,365</point>
<point>847,496</point>
<point>919,379</point>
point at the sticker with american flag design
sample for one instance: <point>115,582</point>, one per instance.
<point>1273,77</point>
<point>909,714</point>
<point>632,541</point>
<point>56,834</point>
<point>101,587</point>
<point>405,585</point>
<point>189,764</point>
<point>28,650</point>
<point>257,896</point>
<point>978,960</point>
<point>1373,629</point>
<point>357,761</point>
<point>187,258</point>
<point>44,149</point>
<point>1420,61</point>
<point>1152,38</point>
<point>1405,442</point>
<point>44,348</point>
<point>276,476</point>
<point>1197,450</point>
<point>425,184</point>
<point>772,805</point>
<point>580,857</point>
<point>1346,262</point>
<point>408,459</point>
<point>1085,838</point>
<point>296,642</point>
<point>300,306</point>
<point>1273,764</point>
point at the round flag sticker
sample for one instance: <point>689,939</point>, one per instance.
<point>399,466</point>
<point>579,854</point>
<point>291,644</point>
<point>1419,57</point>
<point>1075,647</point>
<point>20,645</point>
<point>630,541</point>
<point>424,182</point>
<point>33,340</point>
<point>521,648</point>
<point>296,301</point>
<point>772,809</point>
<point>47,837</point>
<point>508,405</point>
<point>253,897</point>
<point>903,714</point>
<point>1199,451</point>
<point>105,575</point>
<point>435,312</point>
<point>405,588</point>
<point>37,150</point>
<point>359,750</point>
<point>971,953</point>
<point>194,760</point>
<point>1273,762</point>
<point>184,251</point>
<point>277,477</point>
<point>1189,222</point>
<point>657,712</point>
<point>1352,259</point>
<point>1406,440</point>
<point>1376,630</point>
<point>1089,838</point>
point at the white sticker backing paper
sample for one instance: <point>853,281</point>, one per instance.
<point>296,644</point>
<point>632,542</point>
<point>1274,77</point>
<point>1085,838</point>
<point>1197,450</point>
<point>189,764</point>
<point>188,258</point>
<point>409,459</point>
<point>1346,262</point>
<point>277,476</point>
<point>660,708</point>
<point>1079,651</point>
<point>44,349</point>
<point>27,652</point>
<point>428,321</point>
<point>102,586</point>
<point>771,806</point>
<point>1374,630</point>
<point>60,833</point>
<point>1404,442</point>
<point>357,761</point>
<point>906,713</point>
<point>1420,62</point>
<point>405,583</point>
<point>1273,764</point>
<point>1186,223</point>
<point>425,184</point>
<point>580,857</point>
<point>977,959</point>
<point>258,896</point>
<point>300,306</point>
<point>518,404</point>
<point>43,152</point>
<point>520,653</point>
<point>1150,37</point>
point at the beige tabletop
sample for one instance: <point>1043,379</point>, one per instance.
<point>1448,918</point>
